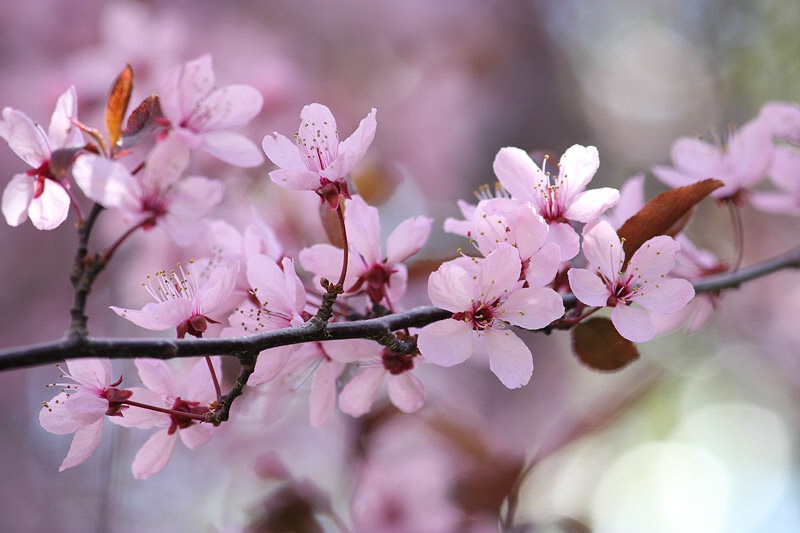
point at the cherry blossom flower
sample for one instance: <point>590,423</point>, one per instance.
<point>509,221</point>
<point>201,114</point>
<point>405,389</point>
<point>483,305</point>
<point>183,300</point>
<point>644,281</point>
<point>740,163</point>
<point>318,161</point>
<point>277,301</point>
<point>158,195</point>
<point>382,277</point>
<point>82,406</point>
<point>40,193</point>
<point>194,396</point>
<point>558,199</point>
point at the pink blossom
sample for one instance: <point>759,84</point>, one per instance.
<point>740,163</point>
<point>278,300</point>
<point>40,192</point>
<point>82,406</point>
<point>607,282</point>
<point>405,389</point>
<point>183,300</point>
<point>558,199</point>
<point>318,161</point>
<point>509,221</point>
<point>193,396</point>
<point>158,195</point>
<point>382,277</point>
<point>483,304</point>
<point>201,114</point>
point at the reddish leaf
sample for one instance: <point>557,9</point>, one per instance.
<point>118,101</point>
<point>666,214</point>
<point>599,346</point>
<point>142,119</point>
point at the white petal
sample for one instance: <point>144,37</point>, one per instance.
<point>17,198</point>
<point>51,208</point>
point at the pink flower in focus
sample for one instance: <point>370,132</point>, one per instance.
<point>382,277</point>
<point>607,282</point>
<point>318,161</point>
<point>81,407</point>
<point>277,301</point>
<point>483,304</point>
<point>740,163</point>
<point>200,114</point>
<point>158,195</point>
<point>559,199</point>
<point>193,396</point>
<point>40,192</point>
<point>183,300</point>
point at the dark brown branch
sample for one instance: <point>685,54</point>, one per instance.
<point>378,329</point>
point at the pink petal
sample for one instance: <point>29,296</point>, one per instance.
<point>140,417</point>
<point>94,373</point>
<point>283,153</point>
<point>633,323</point>
<point>62,131</point>
<point>159,316</point>
<point>451,287</point>
<point>322,400</point>
<point>653,259</point>
<point>228,107</point>
<point>104,180</point>
<point>196,434</point>
<point>269,364</point>
<point>589,205</point>
<point>565,236</point>
<point>785,168</point>
<point>588,287</point>
<point>671,177</point>
<point>232,148</point>
<point>51,208</point>
<point>56,418</point>
<point>156,376</point>
<point>218,288</point>
<point>352,149</point>
<point>83,444</point>
<point>186,87</point>
<point>447,342</point>
<point>299,180</point>
<point>25,138</point>
<point>602,248</point>
<point>325,260</point>
<point>199,386</point>
<point>517,172</point>
<point>17,198</point>
<point>576,169</point>
<point>696,158</point>
<point>774,202</point>
<point>533,307</point>
<point>86,407</point>
<point>406,392</point>
<point>509,358</point>
<point>749,153</point>
<point>359,394</point>
<point>631,200</point>
<point>166,163</point>
<point>154,455</point>
<point>500,272</point>
<point>529,231</point>
<point>668,296</point>
<point>543,265</point>
<point>363,230</point>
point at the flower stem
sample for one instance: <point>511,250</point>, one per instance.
<point>164,410</point>
<point>340,214</point>
<point>217,389</point>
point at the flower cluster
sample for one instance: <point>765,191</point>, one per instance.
<point>541,241</point>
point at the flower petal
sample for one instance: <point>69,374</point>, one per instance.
<point>51,208</point>
<point>509,358</point>
<point>84,443</point>
<point>633,323</point>
<point>533,307</point>
<point>358,396</point>
<point>154,455</point>
<point>588,287</point>
<point>447,342</point>
<point>406,392</point>
<point>17,198</point>
<point>232,148</point>
<point>407,239</point>
<point>517,172</point>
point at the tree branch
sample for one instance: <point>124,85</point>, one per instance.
<point>378,329</point>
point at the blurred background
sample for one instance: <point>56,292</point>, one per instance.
<point>700,435</point>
